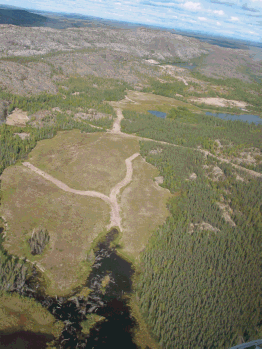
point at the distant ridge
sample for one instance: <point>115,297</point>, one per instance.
<point>21,17</point>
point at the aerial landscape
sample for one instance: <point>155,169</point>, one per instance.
<point>130,174</point>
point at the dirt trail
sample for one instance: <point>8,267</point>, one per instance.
<point>117,123</point>
<point>205,152</point>
<point>115,219</point>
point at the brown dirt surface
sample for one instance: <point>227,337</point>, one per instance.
<point>73,222</point>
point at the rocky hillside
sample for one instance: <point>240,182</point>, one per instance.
<point>33,58</point>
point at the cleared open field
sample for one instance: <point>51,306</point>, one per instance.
<point>89,162</point>
<point>143,207</point>
<point>85,161</point>
<point>73,222</point>
<point>142,102</point>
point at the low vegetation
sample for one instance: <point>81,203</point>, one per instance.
<point>81,160</point>
<point>73,222</point>
<point>25,314</point>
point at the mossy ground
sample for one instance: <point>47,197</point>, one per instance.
<point>25,314</point>
<point>85,161</point>
<point>142,102</point>
<point>73,222</point>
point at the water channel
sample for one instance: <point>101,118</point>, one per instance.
<point>110,283</point>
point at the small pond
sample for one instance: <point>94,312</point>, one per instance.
<point>185,65</point>
<point>159,114</point>
<point>244,117</point>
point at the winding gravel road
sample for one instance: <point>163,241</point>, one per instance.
<point>115,219</point>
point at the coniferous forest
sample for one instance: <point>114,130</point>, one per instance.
<point>200,287</point>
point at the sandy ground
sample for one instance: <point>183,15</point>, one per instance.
<point>17,118</point>
<point>219,102</point>
<point>115,219</point>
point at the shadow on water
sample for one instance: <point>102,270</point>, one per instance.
<point>116,331</point>
<point>110,283</point>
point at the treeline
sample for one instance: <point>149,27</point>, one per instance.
<point>13,271</point>
<point>167,89</point>
<point>200,289</point>
<point>93,92</point>
<point>239,90</point>
<point>13,148</point>
<point>191,130</point>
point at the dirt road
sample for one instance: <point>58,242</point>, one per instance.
<point>205,152</point>
<point>115,219</point>
<point>117,123</point>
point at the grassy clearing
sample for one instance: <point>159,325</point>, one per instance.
<point>85,161</point>
<point>143,208</point>
<point>142,102</point>
<point>73,222</point>
<point>19,313</point>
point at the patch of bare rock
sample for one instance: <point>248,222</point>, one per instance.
<point>155,151</point>
<point>17,118</point>
<point>226,211</point>
<point>91,115</point>
<point>201,226</point>
<point>219,102</point>
<point>214,172</point>
<point>159,180</point>
<point>22,135</point>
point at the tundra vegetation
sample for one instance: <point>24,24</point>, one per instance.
<point>196,281</point>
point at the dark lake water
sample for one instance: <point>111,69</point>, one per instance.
<point>185,65</point>
<point>116,331</point>
<point>159,114</point>
<point>244,117</point>
<point>24,340</point>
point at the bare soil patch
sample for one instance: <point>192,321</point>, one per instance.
<point>17,118</point>
<point>219,102</point>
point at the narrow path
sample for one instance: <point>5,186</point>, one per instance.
<point>117,122</point>
<point>115,219</point>
<point>205,152</point>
